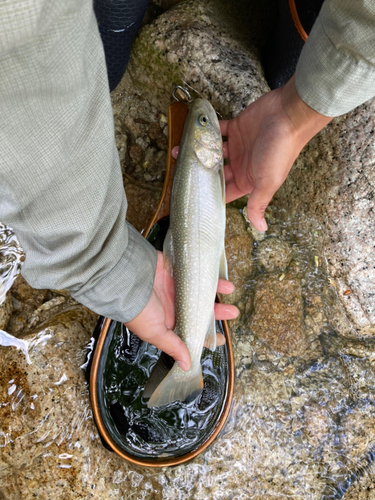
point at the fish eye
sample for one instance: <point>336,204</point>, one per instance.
<point>203,120</point>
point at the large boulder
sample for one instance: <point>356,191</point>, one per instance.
<point>333,182</point>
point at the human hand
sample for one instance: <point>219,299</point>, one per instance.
<point>263,143</point>
<point>155,323</point>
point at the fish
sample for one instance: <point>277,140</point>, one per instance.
<point>194,251</point>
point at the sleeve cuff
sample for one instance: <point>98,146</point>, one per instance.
<point>330,81</point>
<point>125,290</point>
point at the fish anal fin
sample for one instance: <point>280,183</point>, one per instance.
<point>210,341</point>
<point>177,388</point>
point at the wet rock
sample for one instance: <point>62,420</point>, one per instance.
<point>195,43</point>
<point>25,300</point>
<point>278,316</point>
<point>25,293</point>
<point>264,387</point>
<point>335,311</point>
<point>154,164</point>
<point>44,398</point>
<point>333,181</point>
<point>166,4</point>
<point>317,423</point>
<point>361,489</point>
<point>33,386</point>
<point>140,213</point>
<point>273,254</point>
<point>238,250</point>
<point>359,432</point>
<point>6,309</point>
<point>136,153</point>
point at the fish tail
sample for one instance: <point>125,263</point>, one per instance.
<point>175,388</point>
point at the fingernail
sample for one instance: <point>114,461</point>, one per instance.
<point>182,365</point>
<point>233,311</point>
<point>263,225</point>
<point>228,287</point>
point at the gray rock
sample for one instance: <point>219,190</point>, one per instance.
<point>238,249</point>
<point>333,181</point>
<point>278,315</point>
<point>273,254</point>
<point>6,309</point>
<point>196,42</point>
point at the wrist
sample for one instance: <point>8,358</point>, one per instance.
<point>306,122</point>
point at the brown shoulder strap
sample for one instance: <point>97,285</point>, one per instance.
<point>296,20</point>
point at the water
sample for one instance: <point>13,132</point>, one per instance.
<point>11,258</point>
<point>169,431</point>
<point>302,424</point>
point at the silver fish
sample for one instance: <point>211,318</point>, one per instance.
<point>194,247</point>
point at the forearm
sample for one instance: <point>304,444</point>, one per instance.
<point>305,121</point>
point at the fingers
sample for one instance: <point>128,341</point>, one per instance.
<point>171,344</point>
<point>224,126</point>
<point>256,206</point>
<point>224,286</point>
<point>225,311</point>
<point>232,192</point>
<point>150,326</point>
<point>220,340</point>
<point>225,150</point>
<point>228,174</point>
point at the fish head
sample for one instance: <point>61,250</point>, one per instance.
<point>208,145</point>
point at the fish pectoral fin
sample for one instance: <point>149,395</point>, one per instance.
<point>223,266</point>
<point>161,369</point>
<point>168,252</point>
<point>177,388</point>
<point>210,340</point>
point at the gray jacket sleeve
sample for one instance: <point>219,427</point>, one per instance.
<point>336,70</point>
<point>61,186</point>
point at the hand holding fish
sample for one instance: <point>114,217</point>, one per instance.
<point>156,321</point>
<point>263,143</point>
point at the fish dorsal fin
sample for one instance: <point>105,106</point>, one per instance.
<point>223,266</point>
<point>168,252</point>
<point>210,341</point>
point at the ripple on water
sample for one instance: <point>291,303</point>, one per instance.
<point>303,418</point>
<point>11,258</point>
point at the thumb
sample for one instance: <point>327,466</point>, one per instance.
<point>257,203</point>
<point>171,344</point>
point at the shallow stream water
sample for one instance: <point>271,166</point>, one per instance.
<point>302,423</point>
<point>11,258</point>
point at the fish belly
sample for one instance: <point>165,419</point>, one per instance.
<point>198,227</point>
